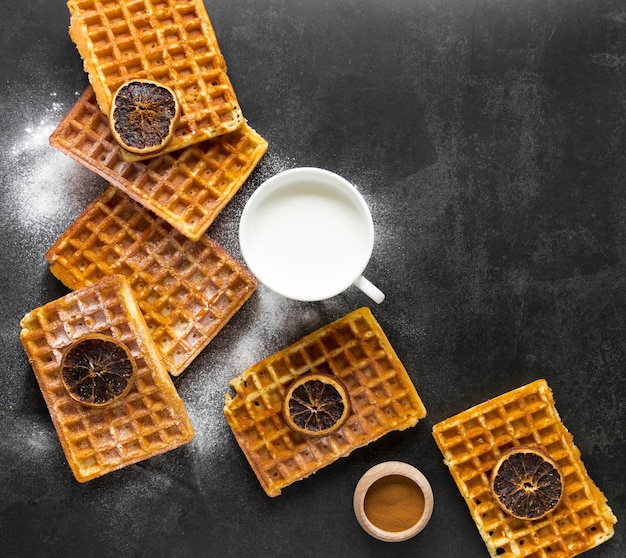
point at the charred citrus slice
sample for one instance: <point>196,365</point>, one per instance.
<point>97,370</point>
<point>143,116</point>
<point>316,405</point>
<point>526,483</point>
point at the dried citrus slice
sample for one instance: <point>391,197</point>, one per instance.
<point>144,115</point>
<point>97,370</point>
<point>526,482</point>
<point>316,405</point>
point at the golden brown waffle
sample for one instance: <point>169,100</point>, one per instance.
<point>353,349</point>
<point>169,42</point>
<point>149,420</point>
<point>473,441</point>
<point>186,188</point>
<point>187,290</point>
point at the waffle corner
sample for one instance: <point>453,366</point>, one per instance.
<point>355,350</point>
<point>471,443</point>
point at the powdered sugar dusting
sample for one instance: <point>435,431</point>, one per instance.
<point>34,136</point>
<point>44,183</point>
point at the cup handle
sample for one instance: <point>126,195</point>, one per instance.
<point>370,289</point>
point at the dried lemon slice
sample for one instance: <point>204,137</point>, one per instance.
<point>97,370</point>
<point>316,405</point>
<point>144,115</point>
<point>526,482</point>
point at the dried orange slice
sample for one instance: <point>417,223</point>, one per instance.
<point>527,483</point>
<point>316,405</point>
<point>97,370</point>
<point>144,115</point>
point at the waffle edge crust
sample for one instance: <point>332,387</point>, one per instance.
<point>151,419</point>
<point>473,441</point>
<point>355,350</point>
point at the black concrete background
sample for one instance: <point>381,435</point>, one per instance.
<point>488,137</point>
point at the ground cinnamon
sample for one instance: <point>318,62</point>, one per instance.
<point>394,503</point>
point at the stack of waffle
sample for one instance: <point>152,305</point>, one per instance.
<point>141,266</point>
<point>181,190</point>
<point>213,150</point>
<point>169,42</point>
<point>186,188</point>
<point>353,349</point>
<point>473,441</point>
<point>186,290</point>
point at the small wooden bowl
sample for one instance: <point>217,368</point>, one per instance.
<point>386,469</point>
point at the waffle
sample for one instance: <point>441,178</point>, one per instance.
<point>473,441</point>
<point>186,188</point>
<point>169,42</point>
<point>149,420</point>
<point>354,349</point>
<point>187,290</point>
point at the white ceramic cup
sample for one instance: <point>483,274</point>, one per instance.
<point>307,234</point>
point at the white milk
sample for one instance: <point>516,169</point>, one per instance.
<point>308,240</point>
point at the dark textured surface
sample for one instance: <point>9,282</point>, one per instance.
<point>488,138</point>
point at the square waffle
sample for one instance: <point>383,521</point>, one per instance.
<point>353,349</point>
<point>473,441</point>
<point>169,42</point>
<point>186,188</point>
<point>149,420</point>
<point>187,290</point>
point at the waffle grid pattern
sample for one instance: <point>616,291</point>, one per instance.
<point>148,421</point>
<point>186,188</point>
<point>473,441</point>
<point>170,42</point>
<point>355,350</point>
<point>186,290</point>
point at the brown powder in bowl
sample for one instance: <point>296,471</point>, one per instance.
<point>394,503</point>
